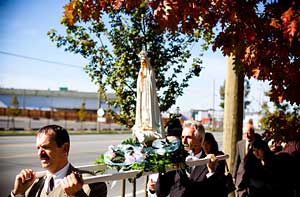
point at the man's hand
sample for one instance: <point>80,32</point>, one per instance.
<point>151,185</point>
<point>211,165</point>
<point>23,181</point>
<point>72,183</point>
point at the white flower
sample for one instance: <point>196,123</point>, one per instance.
<point>161,151</point>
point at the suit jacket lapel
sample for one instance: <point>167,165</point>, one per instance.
<point>85,188</point>
<point>37,187</point>
<point>199,172</point>
<point>71,169</point>
<point>243,148</point>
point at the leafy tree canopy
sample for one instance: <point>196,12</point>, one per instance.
<point>263,35</point>
<point>247,89</point>
<point>112,47</point>
<point>14,109</point>
<point>283,122</point>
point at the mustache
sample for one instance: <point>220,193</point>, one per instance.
<point>44,156</point>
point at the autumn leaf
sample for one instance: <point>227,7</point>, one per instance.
<point>69,13</point>
<point>272,32</point>
<point>275,23</point>
<point>286,16</point>
<point>280,98</point>
<point>292,28</point>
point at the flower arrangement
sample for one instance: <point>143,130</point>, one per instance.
<point>123,155</point>
<point>131,155</point>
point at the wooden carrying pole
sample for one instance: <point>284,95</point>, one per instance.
<point>130,173</point>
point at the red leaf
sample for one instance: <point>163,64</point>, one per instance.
<point>275,23</point>
<point>286,16</point>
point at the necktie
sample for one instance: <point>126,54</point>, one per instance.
<point>248,147</point>
<point>50,185</point>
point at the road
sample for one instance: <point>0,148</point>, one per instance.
<point>18,152</point>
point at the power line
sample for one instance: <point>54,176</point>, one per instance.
<point>40,60</point>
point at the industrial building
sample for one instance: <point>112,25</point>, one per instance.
<point>40,107</point>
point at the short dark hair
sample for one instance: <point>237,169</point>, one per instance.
<point>210,139</point>
<point>61,134</point>
<point>174,127</point>
<point>258,143</point>
<point>199,129</point>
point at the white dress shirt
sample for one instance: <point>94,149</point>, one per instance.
<point>196,157</point>
<point>57,176</point>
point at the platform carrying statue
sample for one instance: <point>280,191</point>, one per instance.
<point>148,125</point>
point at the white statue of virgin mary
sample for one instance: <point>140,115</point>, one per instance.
<point>148,125</point>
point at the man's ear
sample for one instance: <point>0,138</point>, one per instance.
<point>66,148</point>
<point>197,144</point>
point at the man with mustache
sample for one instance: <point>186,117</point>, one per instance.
<point>62,179</point>
<point>201,180</point>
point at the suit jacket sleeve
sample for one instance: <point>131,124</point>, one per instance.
<point>164,183</point>
<point>91,190</point>
<point>98,189</point>
<point>212,186</point>
<point>94,190</point>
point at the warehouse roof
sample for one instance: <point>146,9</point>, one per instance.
<point>50,99</point>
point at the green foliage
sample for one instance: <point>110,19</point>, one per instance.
<point>222,95</point>
<point>247,89</point>
<point>82,112</point>
<point>130,141</point>
<point>119,158</point>
<point>112,47</point>
<point>14,109</point>
<point>100,160</point>
<point>283,122</point>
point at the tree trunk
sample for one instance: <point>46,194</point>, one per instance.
<point>233,111</point>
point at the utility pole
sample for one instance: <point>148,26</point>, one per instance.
<point>98,107</point>
<point>177,111</point>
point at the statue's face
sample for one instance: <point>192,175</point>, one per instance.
<point>144,63</point>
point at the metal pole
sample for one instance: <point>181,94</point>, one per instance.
<point>123,187</point>
<point>134,187</point>
<point>146,192</point>
<point>129,174</point>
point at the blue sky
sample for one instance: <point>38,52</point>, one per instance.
<point>24,26</point>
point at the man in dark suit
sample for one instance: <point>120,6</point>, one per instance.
<point>61,179</point>
<point>242,148</point>
<point>202,179</point>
